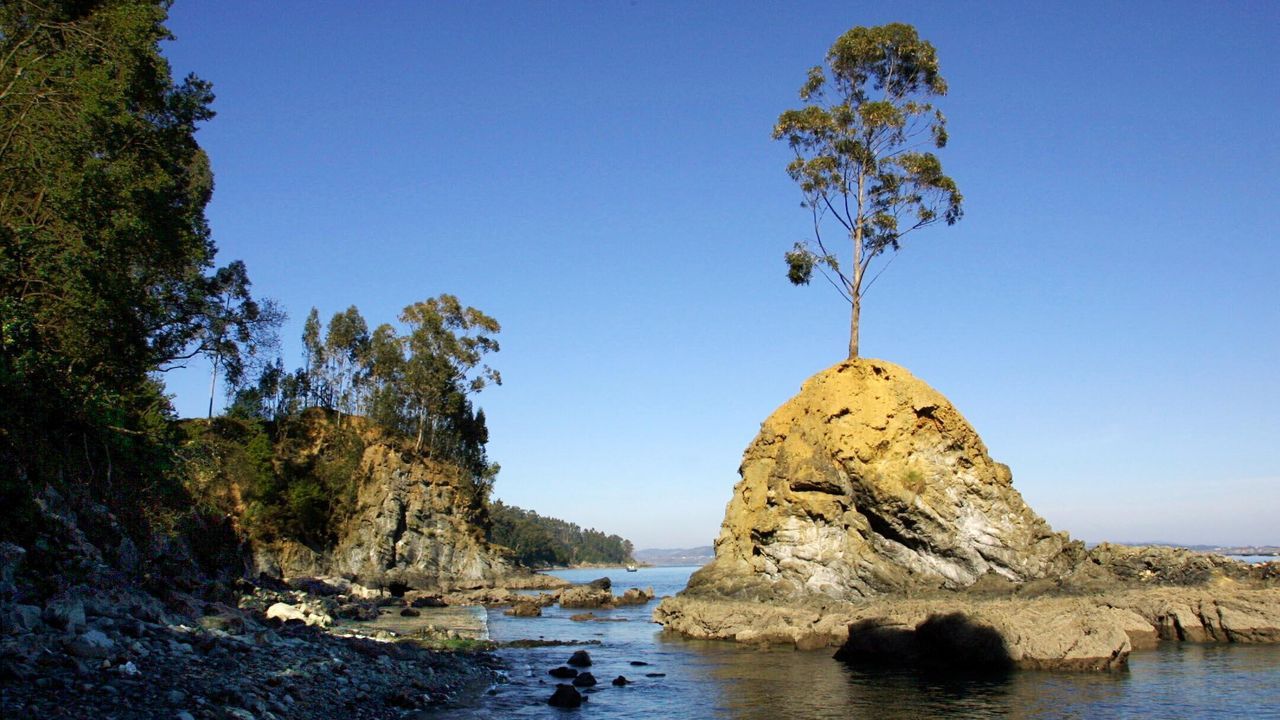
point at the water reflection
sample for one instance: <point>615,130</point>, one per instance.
<point>728,681</point>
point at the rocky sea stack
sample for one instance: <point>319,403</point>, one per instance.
<point>869,513</point>
<point>870,481</point>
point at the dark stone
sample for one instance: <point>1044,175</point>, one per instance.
<point>565,696</point>
<point>563,672</point>
<point>585,679</point>
<point>655,674</point>
<point>603,583</point>
<point>421,602</point>
<point>620,681</point>
<point>410,612</point>
<point>580,659</point>
<point>638,663</point>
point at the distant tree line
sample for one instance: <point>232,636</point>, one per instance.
<point>540,541</point>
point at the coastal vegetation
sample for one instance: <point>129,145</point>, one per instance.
<point>107,267</point>
<point>539,541</point>
<point>857,158</point>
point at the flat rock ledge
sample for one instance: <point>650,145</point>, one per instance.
<point>963,633</point>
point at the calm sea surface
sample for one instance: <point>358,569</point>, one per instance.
<point>725,680</point>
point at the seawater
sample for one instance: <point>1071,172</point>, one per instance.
<point>727,680</point>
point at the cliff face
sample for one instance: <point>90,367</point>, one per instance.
<point>414,523</point>
<point>869,481</point>
<point>337,497</point>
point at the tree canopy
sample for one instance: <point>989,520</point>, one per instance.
<point>106,258</point>
<point>861,157</point>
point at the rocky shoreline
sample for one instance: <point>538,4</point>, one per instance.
<point>1094,632</point>
<point>91,653</point>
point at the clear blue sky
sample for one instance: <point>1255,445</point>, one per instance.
<point>599,176</point>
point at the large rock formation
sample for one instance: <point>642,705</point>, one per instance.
<point>335,496</point>
<point>415,523</point>
<point>869,481</point>
<point>869,516</point>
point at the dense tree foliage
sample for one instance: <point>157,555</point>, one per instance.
<point>539,541</point>
<point>417,384</point>
<point>106,260</point>
<point>858,157</point>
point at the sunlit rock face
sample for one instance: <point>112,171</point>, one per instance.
<point>869,481</point>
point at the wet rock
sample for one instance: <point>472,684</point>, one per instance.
<point>638,663</point>
<point>585,679</point>
<point>525,608</point>
<point>565,696</point>
<point>563,672</point>
<point>356,611</point>
<point>603,583</point>
<point>580,658</point>
<point>410,612</point>
<point>620,681</point>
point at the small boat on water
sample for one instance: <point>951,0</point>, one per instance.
<point>631,568</point>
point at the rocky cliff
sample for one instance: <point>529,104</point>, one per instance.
<point>337,497</point>
<point>413,524</point>
<point>869,481</point>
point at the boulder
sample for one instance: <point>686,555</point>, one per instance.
<point>585,597</point>
<point>284,612</point>
<point>867,482</point>
<point>580,658</point>
<point>91,644</point>
<point>620,681</point>
<point>565,696</point>
<point>65,612</point>
<point>16,618</point>
<point>563,672</point>
<point>635,596</point>
<point>585,679</point>
<point>525,608</point>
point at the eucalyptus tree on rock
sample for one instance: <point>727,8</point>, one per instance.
<point>236,330</point>
<point>345,344</point>
<point>444,350</point>
<point>862,156</point>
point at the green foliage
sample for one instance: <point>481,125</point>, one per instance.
<point>105,256</point>
<point>286,490</point>
<point>539,541</point>
<point>417,385</point>
<point>857,157</point>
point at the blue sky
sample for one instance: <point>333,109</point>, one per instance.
<point>600,178</point>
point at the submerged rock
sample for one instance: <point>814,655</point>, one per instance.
<point>580,658</point>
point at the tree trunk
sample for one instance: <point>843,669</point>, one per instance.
<point>853,326</point>
<point>213,382</point>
